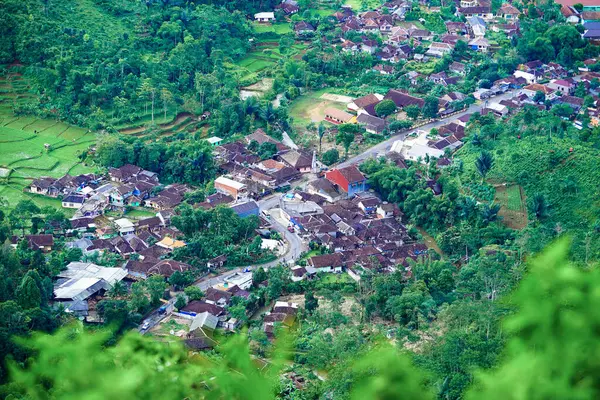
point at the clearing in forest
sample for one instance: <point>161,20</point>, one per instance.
<point>513,205</point>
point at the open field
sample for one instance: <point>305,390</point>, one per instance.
<point>280,28</point>
<point>311,107</point>
<point>513,209</point>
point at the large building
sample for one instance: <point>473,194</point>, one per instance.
<point>349,179</point>
<point>227,186</point>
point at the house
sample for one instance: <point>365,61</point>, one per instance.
<point>402,99</point>
<point>385,210</point>
<point>384,69</point>
<point>289,7</point>
<point>563,86</point>
<point>217,297</point>
<point>230,187</point>
<point>167,268</point>
<point>337,117</point>
<point>437,49</point>
<point>246,209</point>
<point>371,124</point>
<point>324,188</point>
<point>242,280</point>
<point>477,25</point>
<point>125,226</point>
<point>327,262</point>
<point>480,44</point>
<point>531,90</point>
<point>363,102</point>
<point>508,12</point>
<point>214,141</point>
<point>40,242</point>
<point>297,160</point>
<point>303,28</point>
<point>73,201</point>
<point>483,12</point>
<point>44,186</point>
<point>498,109</point>
<point>458,68</point>
<point>570,13</point>
<point>456,28</point>
<point>264,17</point>
<point>124,173</point>
<point>170,243</point>
<point>349,179</point>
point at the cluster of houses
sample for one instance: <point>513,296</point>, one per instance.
<point>362,110</point>
<point>358,231</point>
<point>400,39</point>
<point>247,176</point>
<point>128,186</point>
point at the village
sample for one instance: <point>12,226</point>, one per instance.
<point>323,219</point>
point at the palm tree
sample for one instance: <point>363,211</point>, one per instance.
<point>539,206</point>
<point>321,132</point>
<point>484,163</point>
<point>267,114</point>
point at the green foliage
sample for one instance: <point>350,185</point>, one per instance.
<point>330,157</point>
<point>385,108</point>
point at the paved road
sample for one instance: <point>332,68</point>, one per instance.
<point>382,147</point>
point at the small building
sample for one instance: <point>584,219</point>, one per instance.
<point>227,186</point>
<point>125,226</point>
<point>246,209</point>
<point>214,141</point>
<point>371,123</point>
<point>349,179</point>
<point>480,44</point>
<point>327,262</point>
<point>170,243</point>
<point>73,201</point>
<point>264,17</point>
<point>40,242</point>
<point>337,117</point>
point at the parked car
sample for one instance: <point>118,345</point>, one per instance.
<point>145,326</point>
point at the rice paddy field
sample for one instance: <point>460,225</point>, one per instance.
<point>31,147</point>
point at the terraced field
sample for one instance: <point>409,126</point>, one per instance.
<point>31,147</point>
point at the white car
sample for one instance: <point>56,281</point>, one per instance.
<point>145,326</point>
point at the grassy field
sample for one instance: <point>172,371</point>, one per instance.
<point>280,28</point>
<point>31,147</point>
<point>311,107</point>
<point>513,209</point>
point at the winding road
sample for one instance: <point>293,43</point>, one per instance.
<point>386,144</point>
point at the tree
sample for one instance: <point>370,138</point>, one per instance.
<point>539,97</point>
<point>28,293</point>
<point>412,111</point>
<point>385,108</point>
<point>180,279</point>
<point>156,287</point>
<point>267,150</point>
<point>259,275</point>
<point>431,107</point>
<point>321,132</point>
<point>330,157</point>
<point>539,206</point>
<point>484,163</point>
<point>180,302</point>
<point>167,98</point>
<point>346,135</point>
<point>193,293</point>
<point>311,303</point>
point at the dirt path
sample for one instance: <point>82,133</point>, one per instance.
<point>430,242</point>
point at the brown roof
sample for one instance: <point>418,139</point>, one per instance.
<point>215,295</point>
<point>168,267</point>
<point>338,114</point>
<point>364,101</point>
<point>403,99</point>
<point>352,174</point>
<point>198,307</point>
<point>326,260</point>
<point>36,241</point>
